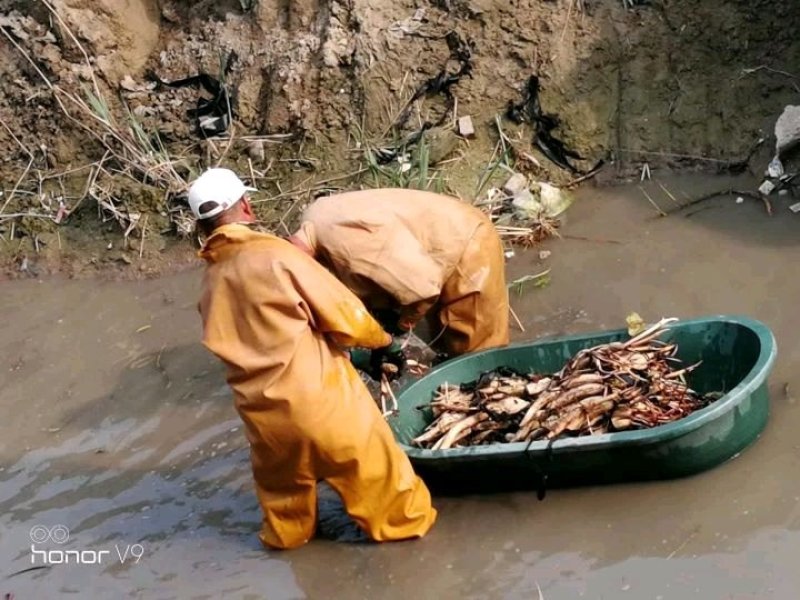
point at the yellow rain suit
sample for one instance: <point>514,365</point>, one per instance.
<point>278,320</point>
<point>414,251</point>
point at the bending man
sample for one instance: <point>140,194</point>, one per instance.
<point>279,322</point>
<point>412,251</point>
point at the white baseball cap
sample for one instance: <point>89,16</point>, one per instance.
<point>220,186</point>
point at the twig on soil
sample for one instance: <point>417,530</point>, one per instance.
<point>305,190</point>
<point>275,138</point>
<point>16,139</point>
<point>20,215</point>
<point>566,22</point>
<point>252,174</point>
<point>771,70</point>
<point>144,234</point>
<point>285,215</point>
<point>19,181</point>
<point>676,155</point>
<point>67,172</point>
<point>528,236</point>
<point>583,178</point>
<point>90,181</point>
<point>661,213</point>
<point>516,318</point>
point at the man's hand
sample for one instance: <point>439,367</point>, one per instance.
<point>389,360</point>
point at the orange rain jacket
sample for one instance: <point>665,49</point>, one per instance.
<point>415,250</point>
<point>279,321</point>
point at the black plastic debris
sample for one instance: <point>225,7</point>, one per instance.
<point>213,115</point>
<point>529,110</point>
<point>461,53</point>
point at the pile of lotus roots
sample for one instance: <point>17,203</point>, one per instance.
<point>635,384</point>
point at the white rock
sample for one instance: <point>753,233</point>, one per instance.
<point>767,187</point>
<point>129,84</point>
<point>787,129</point>
<point>465,127</point>
<point>515,184</point>
<point>143,111</point>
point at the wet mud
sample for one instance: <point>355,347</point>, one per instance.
<point>118,426</point>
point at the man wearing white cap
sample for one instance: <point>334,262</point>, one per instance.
<point>280,322</point>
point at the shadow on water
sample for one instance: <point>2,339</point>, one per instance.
<point>160,462</point>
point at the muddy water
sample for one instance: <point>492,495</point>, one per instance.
<point>117,425</point>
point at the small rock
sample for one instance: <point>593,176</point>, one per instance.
<point>441,144</point>
<point>142,111</point>
<point>787,129</point>
<point>767,187</point>
<point>739,200</point>
<point>169,12</point>
<point>795,208</point>
<point>83,71</point>
<point>255,150</point>
<point>465,127</point>
<point>515,184</point>
<point>783,192</point>
<point>544,254</point>
<point>128,84</point>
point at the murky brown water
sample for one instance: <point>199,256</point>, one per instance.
<point>119,426</point>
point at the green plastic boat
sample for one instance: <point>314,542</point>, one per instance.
<point>737,355</point>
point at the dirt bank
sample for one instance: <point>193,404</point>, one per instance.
<point>319,87</point>
<point>118,425</point>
